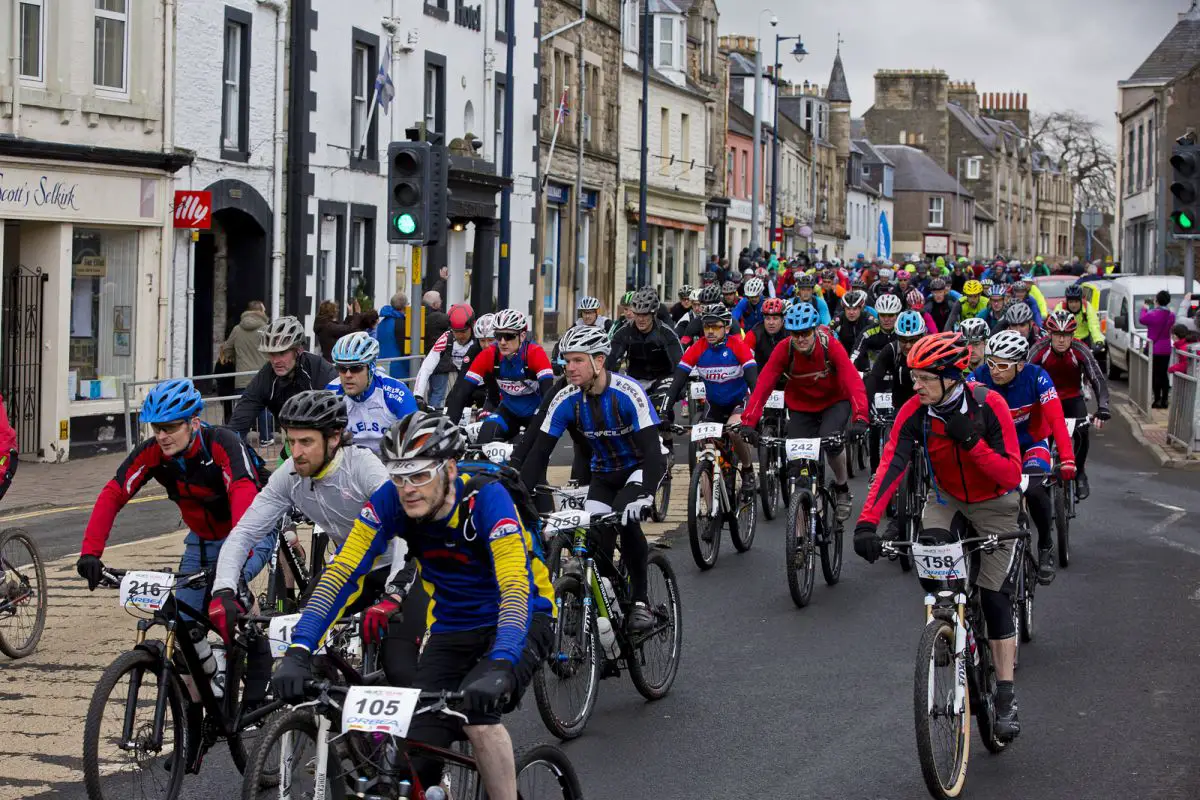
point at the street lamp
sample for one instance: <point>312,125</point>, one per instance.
<point>756,184</point>
<point>798,52</point>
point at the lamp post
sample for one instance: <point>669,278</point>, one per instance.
<point>643,273</point>
<point>756,178</point>
<point>798,52</point>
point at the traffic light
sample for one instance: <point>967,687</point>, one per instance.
<point>1185,188</point>
<point>409,191</point>
<point>439,193</point>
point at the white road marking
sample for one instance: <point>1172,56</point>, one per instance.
<point>1167,506</point>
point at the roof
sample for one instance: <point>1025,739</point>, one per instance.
<point>917,172</point>
<point>741,122</point>
<point>689,86</point>
<point>974,125</point>
<point>871,155</point>
<point>740,66</point>
<point>1176,54</point>
<point>837,91</point>
<point>670,6</point>
<point>983,214</point>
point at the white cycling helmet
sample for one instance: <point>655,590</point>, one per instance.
<point>584,339</point>
<point>888,304</point>
<point>753,288</point>
<point>485,326</point>
<point>886,274</point>
<point>1008,345</point>
<point>511,320</point>
<point>695,297</point>
<point>974,329</point>
<point>280,335</point>
<point>587,303</point>
<point>355,348</point>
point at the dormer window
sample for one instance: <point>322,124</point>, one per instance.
<point>670,42</point>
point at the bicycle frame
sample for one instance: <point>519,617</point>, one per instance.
<point>8,605</point>
<point>718,452</point>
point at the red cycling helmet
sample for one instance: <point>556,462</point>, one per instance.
<point>773,305</point>
<point>916,300</point>
<point>1061,321</point>
<point>460,316</point>
<point>944,354</point>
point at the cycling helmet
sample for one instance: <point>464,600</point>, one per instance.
<point>943,354</point>
<point>421,435</point>
<point>801,317</point>
<point>937,284</point>
<point>625,298</point>
<point>728,287</point>
<point>1008,345</point>
<point>1073,292</point>
<point>319,409</point>
<point>1019,286</point>
<point>717,312</point>
<point>806,281</point>
<point>772,305</point>
<point>1018,314</point>
<point>460,316</point>
<point>910,324</point>
<point>828,275</point>
<point>885,275</point>
<point>694,296</point>
<point>359,347</point>
<point>485,326</point>
<point>280,335</point>
<point>753,288</point>
<point>172,401</point>
<point>685,292</point>
<point>974,329</point>
<point>904,275</point>
<point>587,303</point>
<point>998,290</point>
<point>915,299</point>
<point>986,283</point>
<point>1061,321</point>
<point>511,320</point>
<point>584,339</point>
<point>888,304</point>
<point>710,294</point>
<point>644,301</point>
<point>973,287</point>
<point>854,299</point>
<point>761,272</point>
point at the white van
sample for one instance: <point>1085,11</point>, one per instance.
<point>1126,298</point>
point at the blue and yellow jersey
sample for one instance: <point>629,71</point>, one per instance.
<point>477,565</point>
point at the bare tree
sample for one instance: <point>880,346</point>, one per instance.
<point>1073,139</point>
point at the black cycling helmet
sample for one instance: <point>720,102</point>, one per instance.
<point>854,299</point>
<point>807,281</point>
<point>422,434</point>
<point>318,409</point>
<point>937,284</point>
<point>716,313</point>
<point>710,294</point>
<point>1073,292</point>
<point>644,301</point>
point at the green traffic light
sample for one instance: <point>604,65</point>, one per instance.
<point>1185,221</point>
<point>406,224</point>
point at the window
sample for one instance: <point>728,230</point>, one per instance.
<point>936,211</point>
<point>498,137</point>
<point>1129,164</point>
<point>32,41</point>
<point>111,45</point>
<point>631,27</point>
<point>666,42</point>
<point>591,122</point>
<point>730,177</point>
<point>1141,174</point>
<point>745,174</point>
<point>664,139</point>
<point>361,275</point>
<point>973,168</point>
<point>685,137</point>
<point>104,277</point>
<point>501,22</point>
<point>808,115</point>
<point>1150,154</point>
<point>235,96</point>
<point>822,118</point>
<point>435,92</point>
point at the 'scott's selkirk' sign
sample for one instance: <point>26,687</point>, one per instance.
<point>46,192</point>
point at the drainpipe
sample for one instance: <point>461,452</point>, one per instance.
<point>166,260</point>
<point>14,74</point>
<point>281,38</point>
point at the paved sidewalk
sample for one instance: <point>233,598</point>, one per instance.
<point>1151,433</point>
<point>40,485</point>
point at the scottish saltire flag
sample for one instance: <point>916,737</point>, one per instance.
<point>385,90</point>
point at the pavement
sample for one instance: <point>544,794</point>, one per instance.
<point>777,701</point>
<point>1150,431</point>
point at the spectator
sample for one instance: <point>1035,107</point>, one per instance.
<point>8,451</point>
<point>1187,341</point>
<point>439,285</point>
<point>437,321</point>
<point>241,350</point>
<point>1158,321</point>
<point>328,329</point>
<point>391,334</point>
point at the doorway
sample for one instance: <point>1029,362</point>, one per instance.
<point>232,268</point>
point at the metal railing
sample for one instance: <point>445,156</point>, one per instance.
<point>218,407</point>
<point>1140,369</point>
<point>1183,413</point>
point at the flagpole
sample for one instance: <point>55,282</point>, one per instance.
<point>558,117</point>
<point>362,145</point>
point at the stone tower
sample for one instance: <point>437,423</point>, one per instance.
<point>910,108</point>
<point>838,95</point>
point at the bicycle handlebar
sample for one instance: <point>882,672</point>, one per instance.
<point>984,542</point>
<point>110,577</point>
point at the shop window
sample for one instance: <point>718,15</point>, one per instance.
<point>103,301</point>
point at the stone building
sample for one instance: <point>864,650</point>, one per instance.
<point>824,223</point>
<point>870,202</point>
<point>579,244</point>
<point>708,69</point>
<point>935,215</point>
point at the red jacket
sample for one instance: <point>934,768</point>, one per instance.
<point>814,382</point>
<point>988,470</point>
<point>8,437</point>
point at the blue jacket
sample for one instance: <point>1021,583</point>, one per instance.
<point>389,330</point>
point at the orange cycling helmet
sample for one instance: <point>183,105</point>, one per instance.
<point>943,354</point>
<point>772,305</point>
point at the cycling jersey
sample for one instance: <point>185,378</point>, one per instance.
<point>748,314</point>
<point>1067,370</point>
<point>819,303</point>
<point>477,565</point>
<point>814,381</point>
<point>967,311</point>
<point>1087,322</point>
<point>890,372</point>
<point>607,420</point>
<point>650,355</point>
<point>722,368</point>
<point>1034,405</point>
<point>213,484</point>
<point>945,314</point>
<point>270,391</point>
<point>762,343</point>
<point>847,332</point>
<point>373,411</point>
<point>522,379</point>
<point>869,345</point>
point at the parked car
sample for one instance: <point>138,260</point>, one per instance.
<point>1126,298</point>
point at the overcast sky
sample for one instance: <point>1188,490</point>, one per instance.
<point>1062,53</point>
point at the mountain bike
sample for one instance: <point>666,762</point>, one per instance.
<point>772,461</point>
<point>1065,494</point>
<point>1024,576</point>
<point>955,677</point>
<point>22,593</point>
<point>590,640</point>
<point>657,392</point>
<point>714,496</point>
<point>283,584</point>
<point>910,502</point>
<point>697,405</point>
<point>351,741</point>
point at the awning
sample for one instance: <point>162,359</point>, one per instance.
<point>664,222</point>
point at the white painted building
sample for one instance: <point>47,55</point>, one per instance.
<point>86,163</point>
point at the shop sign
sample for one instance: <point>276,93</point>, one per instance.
<point>937,245</point>
<point>101,196</point>
<point>788,220</point>
<point>557,193</point>
<point>91,267</point>
<point>45,192</point>
<point>193,209</point>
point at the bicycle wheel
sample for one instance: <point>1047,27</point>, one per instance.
<point>288,751</point>
<point>662,497</point>
<point>567,684</point>
<point>909,531</point>
<point>768,481</point>
<point>654,660</point>
<point>558,545</point>
<point>786,487</point>
<point>1062,524</point>
<point>831,543</point>
<point>983,699</point>
<point>1025,627</point>
<point>704,517</point>
<point>943,733</point>
<point>744,522</point>
<point>22,594</point>
<point>798,550</point>
<point>123,768</point>
<point>544,771</point>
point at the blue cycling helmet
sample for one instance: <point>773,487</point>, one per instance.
<point>172,401</point>
<point>801,317</point>
<point>355,348</point>
<point>910,324</point>
<point>998,290</point>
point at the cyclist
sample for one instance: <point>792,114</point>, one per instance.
<point>1037,414</point>
<point>207,472</point>
<point>588,309</point>
<point>1030,295</point>
<point>485,397</point>
<point>973,302</point>
<point>614,414</point>
<point>520,370</point>
<point>444,359</point>
<point>881,287</point>
<point>726,365</point>
<point>694,331</point>
<point>993,315</point>
<point>289,370</point>
<point>729,294</point>
<point>944,311</point>
<point>8,451</point>
<point>806,293</point>
<point>649,344</point>
<point>1087,322</point>
<point>748,311</point>
<point>974,460</point>
<point>1069,361</point>
<point>831,292</point>
<point>761,340</point>
<point>374,399</point>
<point>684,304</point>
<point>975,333</point>
<point>491,609</point>
<point>1020,319</point>
<point>890,372</point>
<point>916,302</point>
<point>878,336</point>
<point>823,392</point>
<point>853,320</point>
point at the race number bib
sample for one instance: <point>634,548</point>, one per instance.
<point>146,590</point>
<point>941,562</point>
<point>280,631</point>
<point>696,391</point>
<point>706,430</point>
<point>1071,421</point>
<point>567,520</point>
<point>379,709</point>
<point>473,431</point>
<point>809,449</point>
<point>883,401</point>
<point>498,452</point>
<point>776,399</point>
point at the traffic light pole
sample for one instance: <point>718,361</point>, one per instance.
<point>504,270</point>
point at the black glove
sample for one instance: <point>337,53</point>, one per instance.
<point>490,689</point>
<point>867,542</point>
<point>1103,414</point>
<point>961,429</point>
<point>858,428</point>
<point>421,404</point>
<point>750,436</point>
<point>90,569</point>
<point>292,672</point>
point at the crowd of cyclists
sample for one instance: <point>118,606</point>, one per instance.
<point>443,561</point>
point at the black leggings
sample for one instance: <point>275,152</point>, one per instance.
<point>1160,380</point>
<point>1076,408</point>
<point>613,490</point>
<point>1038,501</point>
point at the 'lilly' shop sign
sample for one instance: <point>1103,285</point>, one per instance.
<point>100,196</point>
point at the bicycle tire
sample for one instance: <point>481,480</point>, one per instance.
<point>1026,628</point>
<point>555,669</point>
<point>950,785</point>
<point>556,763</point>
<point>743,522</point>
<point>768,488</point>
<point>662,497</point>
<point>149,664</point>
<point>799,558</point>
<point>831,548</point>
<point>704,554</point>
<point>786,488</point>
<point>9,647</point>
<point>261,778</point>
<point>910,534</point>
<point>1062,526</point>
<point>554,550</point>
<point>647,687</point>
<point>984,699</point>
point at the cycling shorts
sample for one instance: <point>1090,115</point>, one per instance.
<point>721,414</point>
<point>820,424</point>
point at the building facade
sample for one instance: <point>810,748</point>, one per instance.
<point>823,227</point>
<point>87,165</point>
<point>935,215</point>
<point>875,172</point>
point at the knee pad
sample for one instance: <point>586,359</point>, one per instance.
<point>997,612</point>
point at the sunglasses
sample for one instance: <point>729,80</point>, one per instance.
<point>720,326</point>
<point>351,369</point>
<point>418,479</point>
<point>1000,366</point>
<point>804,334</point>
<point>167,427</point>
<point>507,336</point>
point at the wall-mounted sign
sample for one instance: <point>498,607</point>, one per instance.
<point>193,210</point>
<point>937,244</point>
<point>468,16</point>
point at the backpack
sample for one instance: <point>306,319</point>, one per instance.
<point>482,473</point>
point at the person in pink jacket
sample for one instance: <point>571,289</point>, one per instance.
<point>1158,321</point>
<point>8,451</point>
<point>916,302</point>
<point>1186,342</point>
